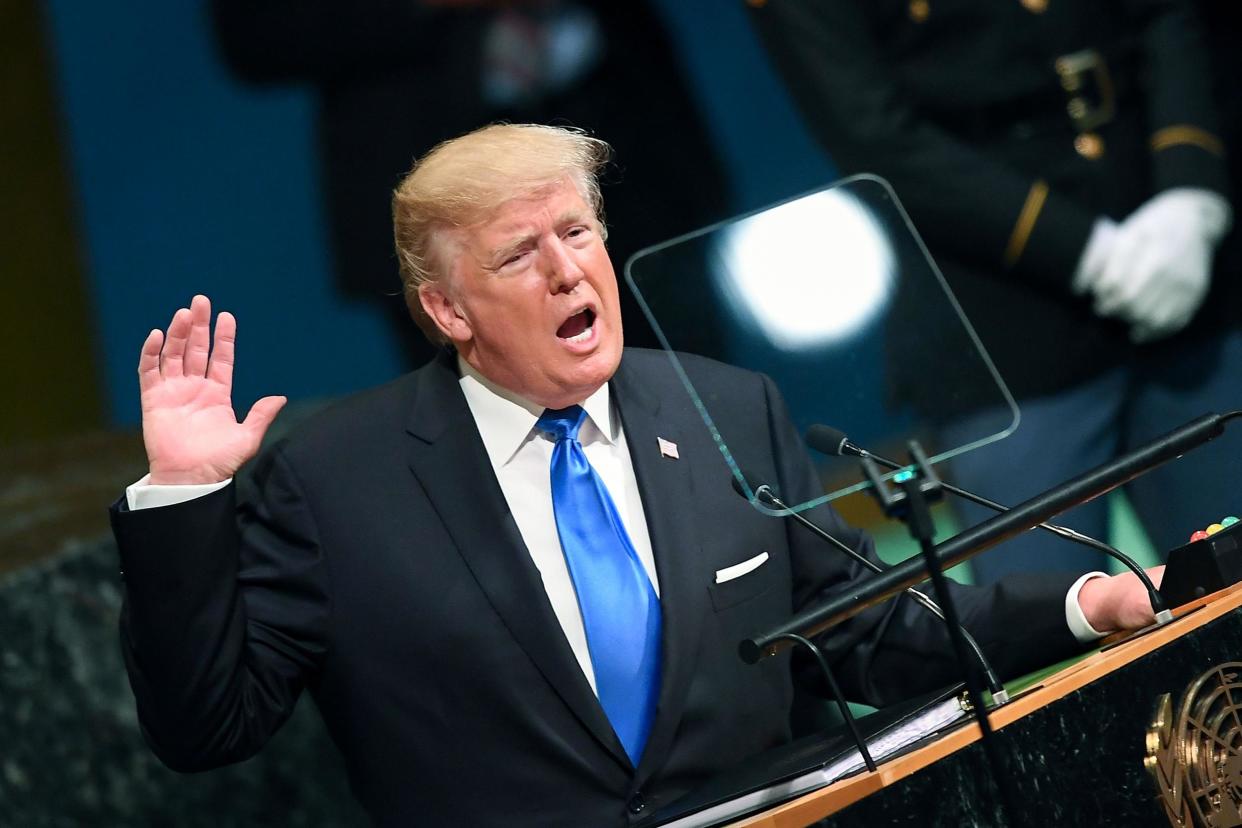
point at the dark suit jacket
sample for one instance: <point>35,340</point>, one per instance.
<point>381,569</point>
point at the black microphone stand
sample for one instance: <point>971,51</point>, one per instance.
<point>763,493</point>
<point>971,542</point>
<point>919,487</point>
<point>834,442</point>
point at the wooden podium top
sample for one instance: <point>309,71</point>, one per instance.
<point>826,801</point>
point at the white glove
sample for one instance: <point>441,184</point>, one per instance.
<point>1095,255</point>
<point>1154,269</point>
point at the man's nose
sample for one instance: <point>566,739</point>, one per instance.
<point>564,274</point>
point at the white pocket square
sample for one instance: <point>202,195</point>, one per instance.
<point>738,570</point>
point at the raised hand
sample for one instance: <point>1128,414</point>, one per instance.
<point>188,425</point>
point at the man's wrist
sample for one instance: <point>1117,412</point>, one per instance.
<point>1075,616</point>
<point>144,494</point>
<point>188,477</point>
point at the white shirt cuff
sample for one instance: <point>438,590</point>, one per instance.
<point>1074,615</point>
<point>146,495</point>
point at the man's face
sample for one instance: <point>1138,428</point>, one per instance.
<point>531,299</point>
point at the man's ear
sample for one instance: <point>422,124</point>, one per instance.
<point>445,312</point>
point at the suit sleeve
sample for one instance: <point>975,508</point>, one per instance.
<point>897,649</point>
<point>1184,131</point>
<point>224,617</point>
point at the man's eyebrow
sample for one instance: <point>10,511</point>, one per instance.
<point>497,255</point>
<point>572,216</point>
<point>575,216</point>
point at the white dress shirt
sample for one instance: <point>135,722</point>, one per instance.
<point>521,456</point>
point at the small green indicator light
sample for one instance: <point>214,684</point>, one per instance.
<point>903,475</point>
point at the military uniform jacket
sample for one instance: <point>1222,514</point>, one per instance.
<point>1007,128</point>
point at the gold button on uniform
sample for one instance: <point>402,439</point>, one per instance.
<point>919,10</point>
<point>1089,146</point>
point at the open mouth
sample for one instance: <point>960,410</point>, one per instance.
<point>577,328</point>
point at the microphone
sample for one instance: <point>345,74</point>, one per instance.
<point>832,441</point>
<point>964,546</point>
<point>766,495</point>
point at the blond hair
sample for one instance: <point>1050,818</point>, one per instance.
<point>461,182</point>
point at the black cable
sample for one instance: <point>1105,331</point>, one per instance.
<point>842,705</point>
<point>764,492</point>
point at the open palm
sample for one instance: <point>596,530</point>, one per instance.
<point>188,425</point>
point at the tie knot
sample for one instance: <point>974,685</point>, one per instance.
<point>562,423</point>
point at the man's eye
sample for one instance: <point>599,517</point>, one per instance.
<point>575,232</point>
<point>515,258</point>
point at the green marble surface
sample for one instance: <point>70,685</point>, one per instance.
<point>71,753</point>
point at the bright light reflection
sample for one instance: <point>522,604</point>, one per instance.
<point>809,272</point>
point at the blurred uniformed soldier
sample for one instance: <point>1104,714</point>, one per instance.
<point>1062,161</point>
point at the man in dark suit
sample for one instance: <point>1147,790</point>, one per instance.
<point>423,558</point>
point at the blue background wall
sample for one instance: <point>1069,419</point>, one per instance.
<point>187,181</point>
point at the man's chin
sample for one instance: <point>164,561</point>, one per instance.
<point>583,378</point>
<point>606,359</point>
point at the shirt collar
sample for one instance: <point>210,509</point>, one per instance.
<point>506,421</point>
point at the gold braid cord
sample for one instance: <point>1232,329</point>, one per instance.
<point>1026,222</point>
<point>1183,134</point>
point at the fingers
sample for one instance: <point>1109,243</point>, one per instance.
<point>1121,277</point>
<point>1162,311</point>
<point>186,349</point>
<point>1095,256</point>
<point>1156,303</point>
<point>1146,279</point>
<point>199,340</point>
<point>173,358</point>
<point>261,415</point>
<point>149,360</point>
<point>1175,294</point>
<point>221,368</point>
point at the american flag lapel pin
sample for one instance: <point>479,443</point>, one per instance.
<point>667,448</point>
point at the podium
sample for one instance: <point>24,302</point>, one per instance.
<point>1102,742</point>
<point>870,335</point>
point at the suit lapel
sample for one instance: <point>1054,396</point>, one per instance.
<point>666,486</point>
<point>451,464</point>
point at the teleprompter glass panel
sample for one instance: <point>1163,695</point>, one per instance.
<point>834,296</point>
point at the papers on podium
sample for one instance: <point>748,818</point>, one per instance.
<point>812,762</point>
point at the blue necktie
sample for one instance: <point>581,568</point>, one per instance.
<point>620,610</point>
